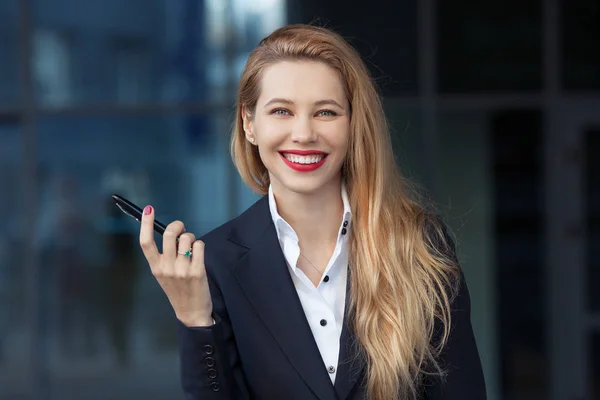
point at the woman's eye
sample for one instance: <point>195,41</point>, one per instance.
<point>280,111</point>
<point>326,113</point>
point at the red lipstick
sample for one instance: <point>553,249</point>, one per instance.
<point>303,167</point>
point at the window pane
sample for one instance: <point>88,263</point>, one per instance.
<point>592,215</point>
<point>141,51</point>
<point>384,33</point>
<point>409,141</point>
<point>464,198</point>
<point>518,201</point>
<point>14,243</point>
<point>489,46</point>
<point>594,365</point>
<point>581,58</point>
<point>105,310</point>
<point>168,160</point>
<point>9,49</point>
<point>52,67</point>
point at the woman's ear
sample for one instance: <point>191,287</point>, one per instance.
<point>248,125</point>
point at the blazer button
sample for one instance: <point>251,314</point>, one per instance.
<point>215,386</point>
<point>208,349</point>
<point>323,322</point>
<point>212,373</point>
<point>331,369</point>
<point>210,362</point>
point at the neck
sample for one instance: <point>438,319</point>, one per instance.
<point>315,217</point>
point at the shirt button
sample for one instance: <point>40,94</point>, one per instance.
<point>323,322</point>
<point>326,278</point>
<point>345,224</point>
<point>331,369</point>
<point>344,231</point>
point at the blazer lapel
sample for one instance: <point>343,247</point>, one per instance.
<point>351,363</point>
<point>264,277</point>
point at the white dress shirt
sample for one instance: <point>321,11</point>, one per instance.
<point>324,304</point>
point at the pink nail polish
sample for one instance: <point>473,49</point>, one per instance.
<point>148,210</point>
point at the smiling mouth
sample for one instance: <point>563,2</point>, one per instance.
<point>306,159</point>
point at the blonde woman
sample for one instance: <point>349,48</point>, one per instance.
<point>336,284</point>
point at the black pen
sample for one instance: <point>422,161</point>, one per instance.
<point>135,212</point>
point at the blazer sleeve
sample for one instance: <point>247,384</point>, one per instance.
<point>464,379</point>
<point>209,362</point>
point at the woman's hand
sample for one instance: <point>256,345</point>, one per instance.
<point>182,276</point>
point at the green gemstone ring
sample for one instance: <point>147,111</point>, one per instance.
<point>188,253</point>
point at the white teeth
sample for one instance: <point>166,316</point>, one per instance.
<point>312,159</point>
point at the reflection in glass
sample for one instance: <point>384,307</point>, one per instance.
<point>137,52</point>
<point>102,313</point>
<point>52,54</point>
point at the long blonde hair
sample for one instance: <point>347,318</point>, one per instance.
<point>402,281</point>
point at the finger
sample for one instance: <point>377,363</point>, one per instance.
<point>174,229</point>
<point>197,266</point>
<point>182,263</point>
<point>185,243</point>
<point>147,236</point>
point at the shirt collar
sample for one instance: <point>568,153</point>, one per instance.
<point>284,229</point>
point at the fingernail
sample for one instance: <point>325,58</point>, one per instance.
<point>148,210</point>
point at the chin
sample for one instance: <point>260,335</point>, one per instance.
<point>284,178</point>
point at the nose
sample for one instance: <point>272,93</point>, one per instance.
<point>303,131</point>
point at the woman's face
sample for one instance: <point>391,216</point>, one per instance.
<point>301,126</point>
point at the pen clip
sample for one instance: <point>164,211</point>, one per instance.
<point>127,212</point>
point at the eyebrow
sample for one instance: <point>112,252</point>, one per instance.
<point>317,103</point>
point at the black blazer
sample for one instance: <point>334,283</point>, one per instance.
<point>261,346</point>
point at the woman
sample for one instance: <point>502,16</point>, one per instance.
<point>336,284</point>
